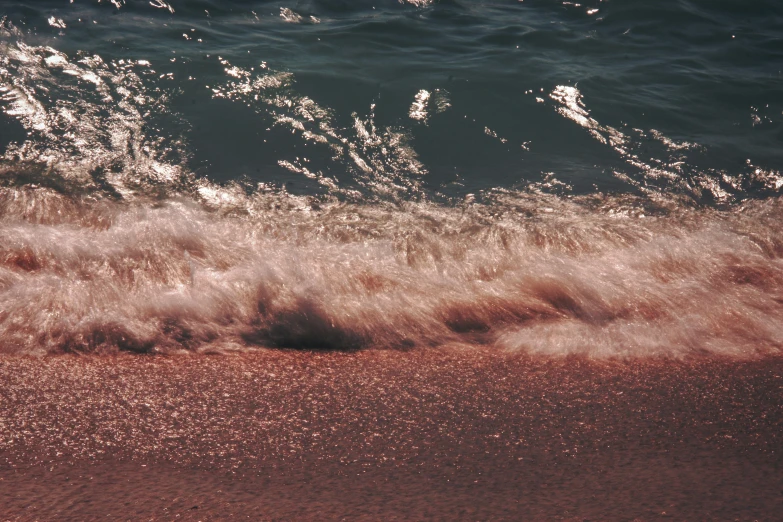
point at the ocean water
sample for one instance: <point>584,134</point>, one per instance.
<point>599,178</point>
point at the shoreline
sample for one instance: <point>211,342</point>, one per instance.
<point>437,434</point>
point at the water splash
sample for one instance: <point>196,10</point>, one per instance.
<point>426,103</point>
<point>86,121</point>
<point>522,271</point>
<point>380,161</point>
<point>668,171</point>
<point>108,242</point>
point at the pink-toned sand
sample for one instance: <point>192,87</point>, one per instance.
<point>447,434</point>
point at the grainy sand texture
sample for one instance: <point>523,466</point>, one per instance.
<point>446,434</point>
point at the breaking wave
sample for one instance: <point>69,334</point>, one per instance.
<point>524,271</point>
<point>108,242</point>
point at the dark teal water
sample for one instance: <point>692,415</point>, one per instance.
<point>687,93</point>
<point>467,161</point>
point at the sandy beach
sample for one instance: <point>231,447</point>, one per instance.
<point>457,433</point>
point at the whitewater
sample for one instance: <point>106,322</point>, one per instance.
<point>111,240</point>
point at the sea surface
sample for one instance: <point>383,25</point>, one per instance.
<point>599,178</point>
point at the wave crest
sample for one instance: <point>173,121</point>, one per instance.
<point>525,271</point>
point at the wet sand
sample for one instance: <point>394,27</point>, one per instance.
<point>427,434</point>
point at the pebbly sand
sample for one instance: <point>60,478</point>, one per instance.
<point>444,434</point>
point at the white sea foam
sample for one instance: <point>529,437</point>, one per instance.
<point>523,271</point>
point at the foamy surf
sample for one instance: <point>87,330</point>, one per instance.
<point>111,240</point>
<point>522,271</point>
